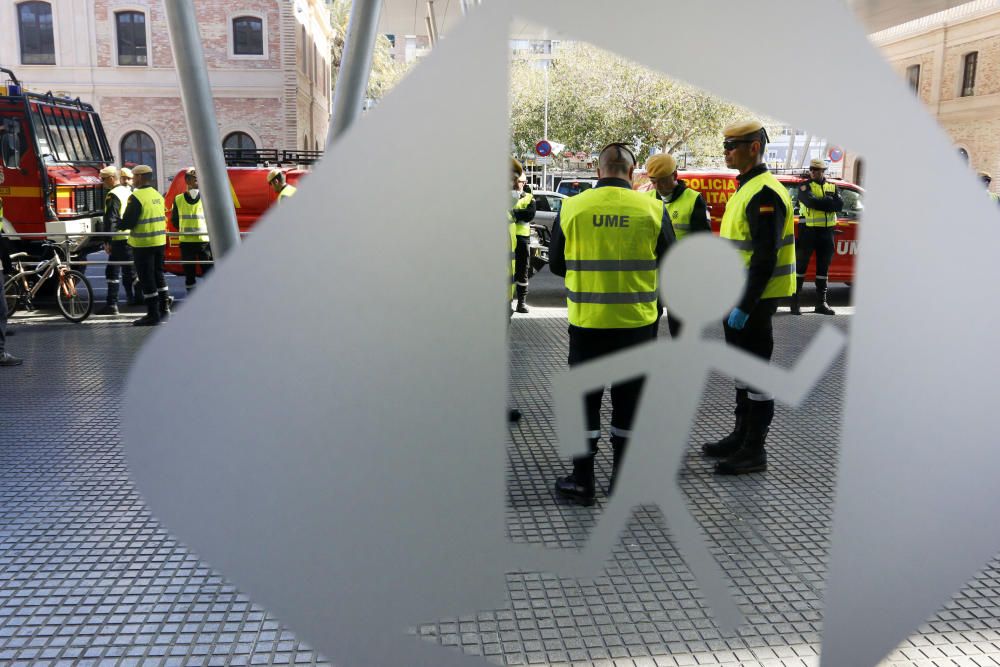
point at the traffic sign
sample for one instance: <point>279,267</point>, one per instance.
<point>544,160</point>
<point>543,148</point>
<point>836,154</point>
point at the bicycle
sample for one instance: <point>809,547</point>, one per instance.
<point>74,295</point>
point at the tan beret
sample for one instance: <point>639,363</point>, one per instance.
<point>142,169</point>
<point>742,128</point>
<point>660,165</point>
<point>273,174</point>
<point>109,171</point>
<point>816,163</point>
<point>516,167</point>
<point>190,171</point>
<point>126,172</point>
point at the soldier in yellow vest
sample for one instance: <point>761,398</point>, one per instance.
<point>276,179</point>
<point>607,243</point>
<point>146,219</point>
<point>687,209</point>
<point>759,220</point>
<point>188,217</point>
<point>524,213</point>
<point>115,198</point>
<point>819,204</point>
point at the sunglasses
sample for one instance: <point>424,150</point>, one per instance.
<point>730,144</point>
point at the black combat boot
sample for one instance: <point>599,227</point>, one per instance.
<point>111,305</point>
<point>618,447</point>
<point>728,445</point>
<point>821,306</point>
<point>579,486</point>
<point>152,316</point>
<point>163,302</point>
<point>751,457</point>
<point>522,294</point>
<point>794,304</point>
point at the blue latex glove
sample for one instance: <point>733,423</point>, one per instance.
<point>737,319</point>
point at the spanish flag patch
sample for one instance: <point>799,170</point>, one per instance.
<point>767,209</point>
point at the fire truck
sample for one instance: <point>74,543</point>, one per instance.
<point>252,196</point>
<point>716,186</point>
<point>51,152</point>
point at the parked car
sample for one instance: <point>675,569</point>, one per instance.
<point>575,186</point>
<point>547,206</point>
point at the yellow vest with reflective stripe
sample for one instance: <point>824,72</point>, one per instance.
<point>286,192</point>
<point>812,217</point>
<point>522,228</point>
<point>513,244</point>
<point>611,274</point>
<point>736,227</point>
<point>680,211</point>
<point>151,230</point>
<point>190,220</point>
<point>121,193</point>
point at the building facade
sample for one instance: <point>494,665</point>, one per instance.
<point>268,62</point>
<point>951,60</point>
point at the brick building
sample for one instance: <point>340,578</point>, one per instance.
<point>952,61</point>
<point>268,60</point>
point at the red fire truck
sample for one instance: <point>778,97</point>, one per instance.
<point>252,196</point>
<point>51,152</point>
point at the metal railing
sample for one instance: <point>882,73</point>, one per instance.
<point>67,245</point>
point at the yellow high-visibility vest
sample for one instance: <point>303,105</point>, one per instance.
<point>151,230</point>
<point>522,228</point>
<point>812,217</point>
<point>190,220</point>
<point>611,272</point>
<point>736,227</point>
<point>121,193</point>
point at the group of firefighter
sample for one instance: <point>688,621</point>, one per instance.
<point>136,213</point>
<point>607,244</point>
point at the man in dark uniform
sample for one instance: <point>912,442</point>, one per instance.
<point>607,242</point>
<point>819,203</point>
<point>146,218</point>
<point>760,222</point>
<point>686,207</point>
<point>524,213</point>
<point>115,198</point>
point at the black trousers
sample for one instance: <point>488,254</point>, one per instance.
<point>586,344</point>
<point>149,268</point>
<point>521,253</point>
<point>820,241</point>
<point>198,251</point>
<point>3,316</point>
<point>121,251</point>
<point>757,337</point>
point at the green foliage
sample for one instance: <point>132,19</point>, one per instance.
<point>385,72</point>
<point>596,97</point>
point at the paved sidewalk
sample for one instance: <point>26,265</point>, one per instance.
<point>88,577</point>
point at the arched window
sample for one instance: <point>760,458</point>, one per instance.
<point>248,36</point>
<point>138,148</point>
<point>34,24</point>
<point>239,141</point>
<point>131,27</point>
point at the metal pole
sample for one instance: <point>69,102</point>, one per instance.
<point>430,30</point>
<point>355,65</point>
<point>545,131</point>
<point>432,21</point>
<point>196,94</point>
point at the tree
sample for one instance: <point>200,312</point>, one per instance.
<point>596,97</point>
<point>385,72</point>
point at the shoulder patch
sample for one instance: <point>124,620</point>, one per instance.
<point>766,209</point>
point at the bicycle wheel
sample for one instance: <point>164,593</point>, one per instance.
<point>13,289</point>
<point>74,296</point>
